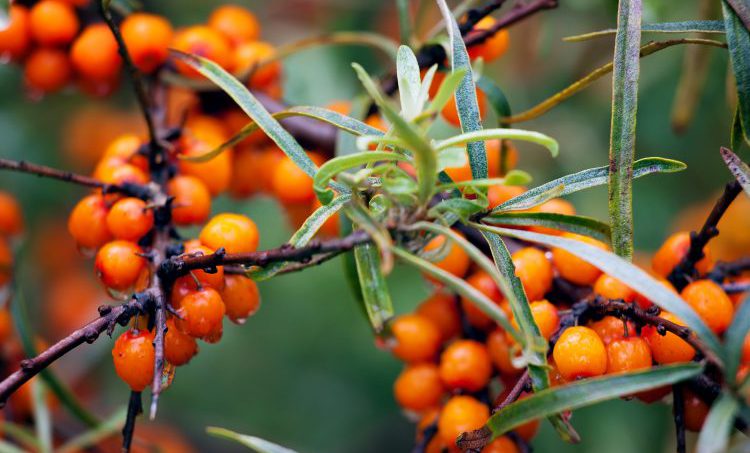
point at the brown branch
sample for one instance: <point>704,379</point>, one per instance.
<point>474,15</point>
<point>522,384</point>
<point>678,414</point>
<point>724,269</point>
<point>135,408</point>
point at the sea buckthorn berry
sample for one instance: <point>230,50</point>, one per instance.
<point>88,222</point>
<point>441,309</point>
<point>494,46</point>
<point>213,279</point>
<point>628,354</point>
<point>711,303</point>
<point>465,364</point>
<point>668,348</point>
<point>450,113</point>
<point>114,171</point>
<point>746,350</point>
<point>456,261</point>
<point>133,355</point>
<point>201,313</point>
<point>47,70</point>
<point>215,173</point>
<point>673,250</point>
<point>696,411</point>
<point>482,282</point>
<point>204,42</point>
<point>130,219</point>
<point>234,232</point>
<point>611,328</point>
<point>15,39</point>
<point>6,261</point>
<point>241,297</point>
<point>580,353</point>
<point>246,171</point>
<point>459,415</point>
<point>534,270</point>
<point>426,419</point>
<point>611,288</point>
<point>463,173</point>
<point>94,53</point>
<point>644,302</point>
<point>418,387</point>
<point>53,23</point>
<point>147,37</point>
<point>119,264</point>
<point>179,347</point>
<point>248,55</point>
<point>291,184</point>
<point>11,218</point>
<point>500,350</point>
<point>553,206</point>
<point>6,325</point>
<point>545,317</point>
<point>416,338</point>
<point>575,269</point>
<point>499,194</point>
<point>237,24</point>
<point>502,444</point>
<point>192,200</point>
<point>125,148</point>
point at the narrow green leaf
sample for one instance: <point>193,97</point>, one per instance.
<point>509,134</point>
<point>738,40</point>
<point>463,208</point>
<point>572,223</point>
<point>585,393</point>
<point>513,178</point>
<point>446,90</point>
<point>742,10</point>
<point>739,169</point>
<point>466,94</point>
<point>585,179</point>
<point>714,436</point>
<point>409,82</point>
<point>339,164</point>
<point>20,434</point>
<point>636,278</point>
<point>404,20</point>
<point>42,416</point>
<point>734,339</point>
<point>4,14</point>
<point>7,447</point>
<point>690,26</point>
<point>497,99</point>
<point>90,438</point>
<point>254,443</point>
<point>736,134</point>
<point>375,294</point>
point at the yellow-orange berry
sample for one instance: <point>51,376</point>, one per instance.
<point>580,353</point>
<point>198,140</point>
<point>237,24</point>
<point>416,338</point>
<point>455,261</point>
<point>611,288</point>
<point>192,200</point>
<point>575,269</point>
<point>499,194</point>
<point>6,261</point>
<point>179,347</point>
<point>610,328</point>
<point>119,264</point>
<point>15,39</point>
<point>88,222</point>
<point>494,46</point>
<point>628,354</point>
<point>234,232</point>
<point>534,270</point>
<point>248,56</point>
<point>461,414</point>
<point>696,411</point>
<point>133,356</point>
<point>212,279</point>
<point>94,54</point>
<point>204,42</point>
<point>502,444</point>
<point>53,23</point>
<point>418,387</point>
<point>201,313</point>
<point>500,352</point>
<point>482,282</point>
<point>130,219</point>
<point>47,70</point>
<point>11,218</point>
<point>147,37</point>
<point>241,297</point>
<point>450,112</point>
<point>441,309</point>
<point>465,364</point>
<point>553,206</point>
<point>673,250</point>
<point>291,184</point>
<point>711,303</point>
<point>668,348</point>
<point>545,317</point>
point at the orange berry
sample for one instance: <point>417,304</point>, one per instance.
<point>580,353</point>
<point>416,338</point>
<point>500,352</point>
<point>6,261</point>
<point>126,148</point>
<point>291,184</point>
<point>465,364</point>
<point>179,347</point>
<point>746,350</point>
<point>673,250</point>
<point>88,222</point>
<point>199,139</point>
<point>628,354</point>
<point>456,261</point>
<point>611,288</point>
<point>241,297</point>
<point>553,206</point>
<point>214,280</point>
<point>574,269</point>
<point>94,54</point>
<point>236,23</point>
<point>119,265</point>
<point>463,173</point>
<point>610,328</point>
<point>133,355</point>
<point>114,171</point>
<point>130,219</point>
<point>204,42</point>
<point>234,232</point>
<point>502,444</point>
<point>711,303</point>
<point>534,270</point>
<point>459,415</point>
<point>668,348</point>
<point>450,113</point>
<point>15,39</point>
<point>418,387</point>
<point>645,303</point>
<point>201,313</point>
<point>341,106</point>
<point>494,46</point>
<point>147,37</point>
<point>247,57</point>
<point>47,70</point>
<point>545,317</point>
<point>6,325</point>
<point>482,282</point>
<point>53,23</point>
<point>11,218</point>
<point>245,171</point>
<point>441,309</point>
<point>696,411</point>
<point>499,194</point>
<point>192,200</point>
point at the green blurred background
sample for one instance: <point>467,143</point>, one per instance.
<point>304,371</point>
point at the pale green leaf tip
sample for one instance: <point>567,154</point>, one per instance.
<point>325,196</point>
<point>517,178</point>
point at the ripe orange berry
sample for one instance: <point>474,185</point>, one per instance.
<point>130,219</point>
<point>416,338</point>
<point>192,200</point>
<point>502,444</point>
<point>53,23</point>
<point>47,70</point>
<point>215,173</point>
<point>204,42</point>
<point>119,265</point>
<point>133,355</point>
<point>611,288</point>
<point>456,261</point>
<point>418,387</point>
<point>580,353</point>
<point>645,303</point>
<point>574,269</point>
<point>94,54</point>
<point>610,328</point>
<point>668,348</point>
<point>114,171</point>
<point>6,325</point>
<point>291,184</point>
<point>696,411</point>
<point>6,261</point>
<point>450,112</point>
<point>545,317</point>
<point>234,232</point>
<point>147,37</point>
<point>499,194</point>
<point>214,280</point>
<point>236,23</point>
<point>484,284</point>
<point>746,350</point>
<point>15,39</point>
<point>673,250</point>
<point>711,303</point>
<point>553,206</point>
<point>179,347</point>
<point>201,313</point>
<point>245,171</point>
<point>441,309</point>
<point>11,218</point>
<point>628,354</point>
<point>463,173</point>
<point>461,414</point>
<point>247,57</point>
<point>88,222</point>
<point>534,270</point>
<point>500,352</point>
<point>494,46</point>
<point>465,364</point>
<point>241,297</point>
<point>125,148</point>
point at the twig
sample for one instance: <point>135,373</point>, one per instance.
<point>724,269</point>
<point>736,288</point>
<point>474,15</point>
<point>428,434</point>
<point>678,411</point>
<point>135,408</point>
<point>521,385</point>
